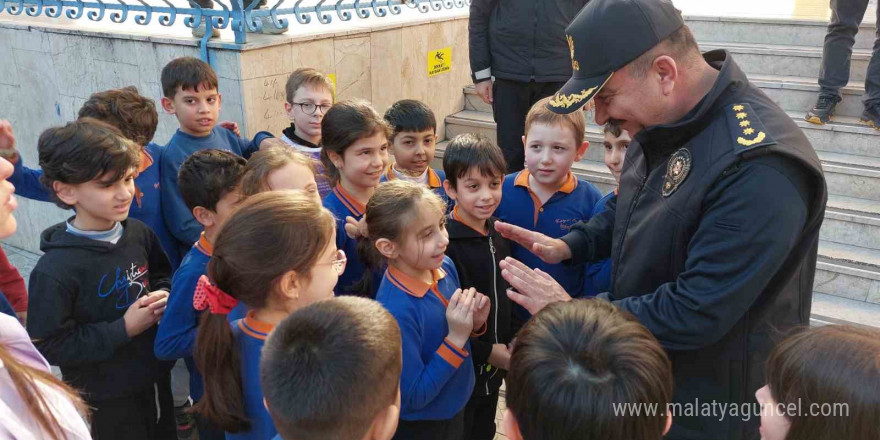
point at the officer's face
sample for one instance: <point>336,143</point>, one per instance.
<point>635,103</point>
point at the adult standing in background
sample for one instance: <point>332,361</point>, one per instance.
<point>521,43</point>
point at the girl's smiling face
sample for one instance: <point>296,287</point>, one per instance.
<point>423,244</point>
<point>362,163</point>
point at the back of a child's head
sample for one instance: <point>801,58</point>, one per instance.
<point>206,176</point>
<point>329,369</point>
<point>133,114</point>
<point>187,73</point>
<point>273,155</point>
<point>343,125</point>
<point>574,123</point>
<point>410,115</point>
<point>269,235</point>
<point>574,361</point>
<point>472,151</point>
<point>832,373</point>
<point>85,150</point>
<point>309,78</point>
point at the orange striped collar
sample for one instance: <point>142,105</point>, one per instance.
<point>204,246</point>
<point>433,178</point>
<point>146,160</point>
<point>412,286</point>
<point>356,208</point>
<point>522,179</point>
<point>454,216</point>
<point>254,328</point>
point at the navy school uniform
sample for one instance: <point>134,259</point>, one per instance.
<point>435,183</point>
<point>250,336</point>
<point>598,276</point>
<point>342,204</point>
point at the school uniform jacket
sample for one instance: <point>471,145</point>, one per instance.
<point>342,205</point>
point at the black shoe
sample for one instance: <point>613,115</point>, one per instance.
<point>823,110</point>
<point>186,423</point>
<point>871,116</point>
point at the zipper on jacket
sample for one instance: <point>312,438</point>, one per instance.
<point>495,292</point>
<point>632,207</point>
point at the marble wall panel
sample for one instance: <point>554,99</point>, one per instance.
<point>352,67</point>
<point>317,54</point>
<point>263,100</point>
<point>386,61</point>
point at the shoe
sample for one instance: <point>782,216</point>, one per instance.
<point>199,31</point>
<point>823,110</point>
<point>186,423</point>
<point>268,27</point>
<point>871,116</point>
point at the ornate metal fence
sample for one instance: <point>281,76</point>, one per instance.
<point>225,14</point>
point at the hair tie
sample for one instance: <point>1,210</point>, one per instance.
<point>208,296</point>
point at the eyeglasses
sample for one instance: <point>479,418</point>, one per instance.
<point>338,264</point>
<point>309,107</point>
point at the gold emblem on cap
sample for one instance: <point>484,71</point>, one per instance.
<point>574,63</point>
<point>566,101</point>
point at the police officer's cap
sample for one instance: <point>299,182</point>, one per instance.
<point>607,35</point>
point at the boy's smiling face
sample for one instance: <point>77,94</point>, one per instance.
<point>551,149</point>
<point>414,150</point>
<point>197,111</point>
<point>476,195</point>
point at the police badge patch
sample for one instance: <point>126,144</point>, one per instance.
<point>676,171</point>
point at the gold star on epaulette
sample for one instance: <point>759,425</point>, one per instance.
<point>738,108</point>
<point>741,115</point>
<point>744,123</point>
<point>748,131</point>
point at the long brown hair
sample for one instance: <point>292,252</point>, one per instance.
<point>271,234</point>
<point>274,155</point>
<point>27,381</point>
<point>829,367</point>
<point>343,125</point>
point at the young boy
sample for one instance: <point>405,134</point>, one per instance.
<point>598,276</point>
<point>475,168</point>
<point>209,185</point>
<point>575,364</point>
<point>189,86</point>
<point>413,140</point>
<point>332,371</point>
<point>102,284</point>
<point>546,197</point>
<point>309,95</point>
<point>135,116</point>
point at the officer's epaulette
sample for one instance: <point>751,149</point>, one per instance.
<point>746,128</point>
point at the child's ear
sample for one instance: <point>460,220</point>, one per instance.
<point>336,159</point>
<point>581,151</point>
<point>288,107</point>
<point>168,105</point>
<point>385,423</point>
<point>65,192</point>
<point>510,427</point>
<point>450,189</point>
<point>387,248</point>
<point>668,424</point>
<point>219,100</point>
<point>524,141</point>
<point>204,216</point>
<point>289,284</point>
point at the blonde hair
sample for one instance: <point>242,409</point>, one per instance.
<point>275,154</point>
<point>540,114</point>
<point>307,77</point>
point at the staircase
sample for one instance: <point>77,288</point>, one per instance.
<point>847,285</point>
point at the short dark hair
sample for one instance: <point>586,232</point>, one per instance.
<point>613,127</point>
<point>187,73</point>
<point>132,113</point>
<point>329,368</point>
<point>573,361</point>
<point>208,175</point>
<point>343,125</point>
<point>472,150</point>
<point>82,151</point>
<point>410,115</point>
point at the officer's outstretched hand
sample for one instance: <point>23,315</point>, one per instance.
<point>532,288</point>
<point>551,250</point>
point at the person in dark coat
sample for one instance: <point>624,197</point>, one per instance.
<point>714,234</point>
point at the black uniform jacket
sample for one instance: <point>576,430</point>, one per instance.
<point>715,237</point>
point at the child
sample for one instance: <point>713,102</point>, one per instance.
<point>436,317</point>
<point>413,140</point>
<point>547,197</point>
<point>332,371</point>
<point>309,96</point>
<point>574,363</point>
<point>135,116</point>
<point>354,153</point>
<point>598,276</point>
<point>831,374</point>
<point>275,254</point>
<point>277,167</point>
<point>475,169</point>
<point>189,86</point>
<point>102,284</point>
<point>209,184</point>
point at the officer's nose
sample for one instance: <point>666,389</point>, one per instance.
<point>601,112</point>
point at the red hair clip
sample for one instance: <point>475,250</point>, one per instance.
<point>209,296</point>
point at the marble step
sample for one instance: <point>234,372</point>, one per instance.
<point>848,271</point>
<point>830,309</point>
<point>767,59</point>
<point>809,33</point>
<point>798,94</point>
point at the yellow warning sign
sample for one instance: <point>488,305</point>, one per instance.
<point>332,78</point>
<point>439,61</point>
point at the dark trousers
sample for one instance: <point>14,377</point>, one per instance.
<point>146,415</point>
<point>512,101</point>
<point>846,15</point>
<point>431,429</point>
<point>479,417</point>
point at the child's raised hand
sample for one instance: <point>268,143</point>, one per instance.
<point>231,126</point>
<point>139,317</point>
<point>356,229</point>
<point>156,301</point>
<point>460,316</point>
<point>482,306</point>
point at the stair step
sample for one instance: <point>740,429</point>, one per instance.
<point>830,309</point>
<point>795,93</point>
<point>848,271</point>
<point>844,134</point>
<point>780,31</point>
<point>767,59</point>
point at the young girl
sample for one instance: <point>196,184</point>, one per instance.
<point>823,383</point>
<point>406,224</point>
<point>276,254</point>
<point>278,167</point>
<point>354,153</point>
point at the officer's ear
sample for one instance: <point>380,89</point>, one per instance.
<point>666,71</point>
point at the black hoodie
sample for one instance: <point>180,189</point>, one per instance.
<point>79,292</point>
<point>476,258</point>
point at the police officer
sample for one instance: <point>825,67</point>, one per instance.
<point>714,234</point>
